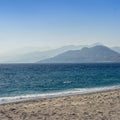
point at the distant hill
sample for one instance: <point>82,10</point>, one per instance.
<point>94,54</point>
<point>32,57</point>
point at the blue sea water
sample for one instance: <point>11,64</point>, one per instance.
<point>46,79</point>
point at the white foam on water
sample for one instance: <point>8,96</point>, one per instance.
<point>4,100</point>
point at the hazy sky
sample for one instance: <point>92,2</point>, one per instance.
<point>30,23</point>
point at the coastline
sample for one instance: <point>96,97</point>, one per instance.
<point>77,91</point>
<point>99,105</point>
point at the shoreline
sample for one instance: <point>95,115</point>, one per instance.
<point>72,92</point>
<point>100,105</point>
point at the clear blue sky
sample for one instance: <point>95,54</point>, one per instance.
<point>58,22</point>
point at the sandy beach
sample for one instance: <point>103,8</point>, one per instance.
<point>95,106</point>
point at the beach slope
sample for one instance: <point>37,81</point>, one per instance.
<point>95,106</point>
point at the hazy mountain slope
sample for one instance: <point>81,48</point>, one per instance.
<point>93,54</point>
<point>32,57</point>
<point>117,49</point>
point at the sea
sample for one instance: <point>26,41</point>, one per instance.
<point>21,82</point>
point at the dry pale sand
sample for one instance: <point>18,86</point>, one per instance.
<point>97,106</point>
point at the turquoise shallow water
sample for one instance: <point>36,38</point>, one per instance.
<point>27,79</point>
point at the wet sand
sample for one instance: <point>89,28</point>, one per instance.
<point>95,106</point>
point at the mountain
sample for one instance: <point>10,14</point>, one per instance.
<point>32,54</point>
<point>32,57</point>
<point>85,55</point>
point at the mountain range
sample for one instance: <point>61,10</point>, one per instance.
<point>33,56</point>
<point>93,54</point>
